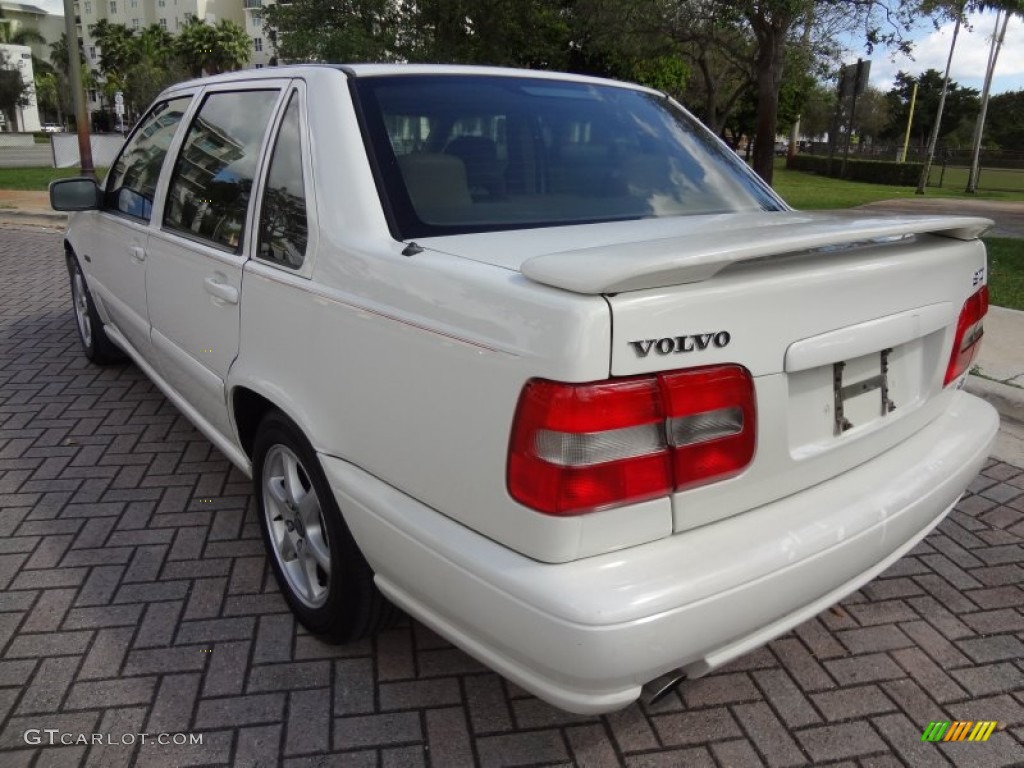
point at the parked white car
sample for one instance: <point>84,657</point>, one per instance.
<point>536,358</point>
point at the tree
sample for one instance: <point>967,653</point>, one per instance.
<point>872,114</point>
<point>757,39</point>
<point>212,49</point>
<point>334,30</point>
<point>118,51</point>
<point>961,103</point>
<point>20,36</point>
<point>1007,8</point>
<point>1006,120</point>
<point>48,95</point>
<point>776,23</point>
<point>518,33</point>
<point>15,93</point>
<point>60,63</point>
<point>157,67</point>
<point>709,37</point>
<point>816,120</point>
<point>956,9</point>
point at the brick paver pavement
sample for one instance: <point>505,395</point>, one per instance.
<point>136,599</point>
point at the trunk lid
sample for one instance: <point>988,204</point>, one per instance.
<point>845,323</point>
<point>848,347</point>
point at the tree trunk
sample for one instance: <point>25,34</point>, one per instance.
<point>979,127</point>
<point>769,78</point>
<point>710,96</point>
<point>926,169</point>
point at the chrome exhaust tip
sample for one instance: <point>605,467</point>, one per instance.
<point>661,687</point>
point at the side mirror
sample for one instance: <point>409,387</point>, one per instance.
<point>79,194</point>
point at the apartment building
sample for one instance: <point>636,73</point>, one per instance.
<point>262,50</point>
<point>135,14</point>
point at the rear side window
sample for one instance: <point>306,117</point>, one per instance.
<point>212,181</point>
<point>131,183</point>
<point>284,230</point>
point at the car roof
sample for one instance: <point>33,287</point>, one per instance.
<point>385,70</point>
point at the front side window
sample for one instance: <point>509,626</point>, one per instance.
<point>113,6</point>
<point>462,153</point>
<point>212,181</point>
<point>284,230</point>
<point>131,183</point>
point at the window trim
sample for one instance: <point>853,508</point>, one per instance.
<point>242,253</point>
<point>297,86</point>
<point>157,205</point>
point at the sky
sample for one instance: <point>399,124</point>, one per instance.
<point>931,47</point>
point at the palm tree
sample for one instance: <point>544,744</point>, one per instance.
<point>958,10</point>
<point>234,47</point>
<point>117,48</point>
<point>59,54</point>
<point>23,36</point>
<point>213,49</point>
<point>157,67</point>
<point>1004,9</point>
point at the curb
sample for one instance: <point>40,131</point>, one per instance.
<point>1006,399</point>
<point>21,213</point>
<point>39,220</point>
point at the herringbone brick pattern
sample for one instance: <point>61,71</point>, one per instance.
<point>136,599</point>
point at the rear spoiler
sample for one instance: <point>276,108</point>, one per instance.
<point>700,255</point>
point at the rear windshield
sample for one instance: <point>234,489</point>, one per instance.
<point>458,153</point>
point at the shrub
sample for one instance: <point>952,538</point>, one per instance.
<point>874,171</point>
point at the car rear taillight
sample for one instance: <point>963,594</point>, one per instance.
<point>710,423</point>
<point>577,448</point>
<point>969,331</point>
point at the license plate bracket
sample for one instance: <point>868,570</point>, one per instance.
<point>843,392</point>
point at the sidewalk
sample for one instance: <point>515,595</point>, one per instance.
<point>999,378</point>
<point>18,206</point>
<point>1008,216</point>
<point>999,369</point>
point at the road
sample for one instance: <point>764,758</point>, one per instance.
<point>135,598</point>
<point>36,156</point>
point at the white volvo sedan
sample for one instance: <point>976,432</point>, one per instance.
<point>536,358</point>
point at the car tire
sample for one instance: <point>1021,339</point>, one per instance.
<point>324,577</point>
<point>96,345</point>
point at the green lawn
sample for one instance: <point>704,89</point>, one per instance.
<point>1006,271</point>
<point>954,179</point>
<point>808,191</point>
<point>36,178</point>
<point>1006,255</point>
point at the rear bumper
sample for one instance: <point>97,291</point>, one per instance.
<point>587,635</point>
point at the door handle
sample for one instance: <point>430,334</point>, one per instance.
<point>138,254</point>
<point>226,293</point>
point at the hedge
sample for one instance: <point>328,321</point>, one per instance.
<point>875,171</point>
